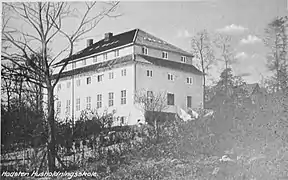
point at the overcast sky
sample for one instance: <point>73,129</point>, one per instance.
<point>176,22</point>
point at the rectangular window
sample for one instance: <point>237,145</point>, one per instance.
<point>123,97</point>
<point>189,101</point>
<point>99,101</point>
<point>165,55</point>
<point>73,65</point>
<point>145,50</point>
<point>100,77</point>
<point>123,72</point>
<point>59,107</point>
<point>88,102</point>
<point>59,87</point>
<point>170,99</point>
<point>111,75</point>
<point>116,53</point>
<point>88,80</point>
<point>84,62</point>
<point>150,96</point>
<point>189,80</point>
<point>68,104</point>
<point>68,84</point>
<point>94,59</point>
<point>78,82</point>
<point>105,57</point>
<point>78,104</point>
<point>170,77</point>
<point>110,99</point>
<point>149,73</point>
<point>183,59</point>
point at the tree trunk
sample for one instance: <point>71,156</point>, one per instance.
<point>51,131</point>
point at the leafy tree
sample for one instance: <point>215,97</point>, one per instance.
<point>277,59</point>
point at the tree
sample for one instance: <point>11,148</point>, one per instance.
<point>151,104</point>
<point>223,43</point>
<point>276,41</point>
<point>44,24</point>
<point>203,51</point>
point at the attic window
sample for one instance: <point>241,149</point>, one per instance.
<point>145,50</point>
<point>84,62</point>
<point>165,55</point>
<point>105,56</point>
<point>183,59</point>
<point>95,59</point>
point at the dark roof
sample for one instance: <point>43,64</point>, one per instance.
<point>96,67</point>
<point>135,36</point>
<point>100,46</point>
<point>171,64</point>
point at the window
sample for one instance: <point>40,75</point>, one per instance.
<point>111,75</point>
<point>78,82</point>
<point>68,104</point>
<point>123,72</point>
<point>123,97</point>
<point>189,101</point>
<point>183,59</point>
<point>59,107</point>
<point>170,77</point>
<point>110,99</point>
<point>73,65</point>
<point>99,101</point>
<point>122,119</point>
<point>150,96</point>
<point>144,50</point>
<point>59,87</point>
<point>189,80</point>
<point>66,68</point>
<point>88,80</point>
<point>100,77</point>
<point>105,57</point>
<point>116,53</point>
<point>165,55</point>
<point>149,73</point>
<point>84,62</point>
<point>68,84</point>
<point>78,104</point>
<point>94,59</point>
<point>170,99</point>
<point>88,102</point>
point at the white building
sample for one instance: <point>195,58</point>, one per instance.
<point>106,75</point>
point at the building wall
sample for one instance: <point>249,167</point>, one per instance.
<point>159,83</point>
<point>124,51</point>
<point>158,54</point>
<point>114,85</point>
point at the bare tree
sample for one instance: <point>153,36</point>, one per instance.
<point>203,51</point>
<point>277,60</point>
<point>151,104</point>
<point>45,21</point>
<point>223,43</point>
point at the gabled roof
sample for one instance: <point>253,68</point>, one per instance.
<point>171,64</point>
<point>135,36</point>
<point>100,46</point>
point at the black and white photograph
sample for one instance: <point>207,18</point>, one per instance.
<point>144,90</point>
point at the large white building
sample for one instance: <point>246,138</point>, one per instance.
<point>108,73</point>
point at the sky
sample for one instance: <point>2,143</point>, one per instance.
<point>177,22</point>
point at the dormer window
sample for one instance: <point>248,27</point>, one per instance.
<point>165,55</point>
<point>116,53</point>
<point>144,50</point>
<point>183,59</point>
<point>105,57</point>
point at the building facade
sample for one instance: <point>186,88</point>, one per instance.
<point>106,75</point>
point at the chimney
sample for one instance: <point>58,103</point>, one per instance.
<point>89,42</point>
<point>108,36</point>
